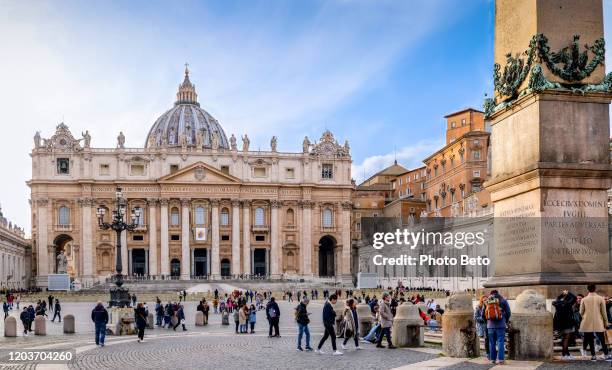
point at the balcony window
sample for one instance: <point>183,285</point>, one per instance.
<point>290,217</point>
<point>200,215</point>
<point>259,216</point>
<point>141,218</point>
<point>64,216</point>
<point>224,217</point>
<point>327,218</point>
<point>174,216</point>
<point>476,154</point>
<point>327,171</point>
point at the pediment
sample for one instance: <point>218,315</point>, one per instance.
<point>199,172</point>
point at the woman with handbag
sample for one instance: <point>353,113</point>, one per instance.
<point>351,323</point>
<point>141,320</point>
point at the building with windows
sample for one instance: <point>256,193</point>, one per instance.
<point>15,256</point>
<point>209,208</point>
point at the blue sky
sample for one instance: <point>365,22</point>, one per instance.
<point>381,74</point>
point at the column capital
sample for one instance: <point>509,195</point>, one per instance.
<point>85,202</point>
<point>185,202</point>
<point>306,204</point>
<point>42,202</point>
<point>236,202</point>
<point>164,202</point>
<point>347,206</point>
<point>274,203</point>
<point>246,203</point>
<point>152,202</point>
<point>214,202</point>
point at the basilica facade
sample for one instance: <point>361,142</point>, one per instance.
<point>211,207</point>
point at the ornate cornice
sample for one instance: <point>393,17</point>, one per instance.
<point>246,203</point>
<point>306,204</point>
<point>85,202</point>
<point>42,202</point>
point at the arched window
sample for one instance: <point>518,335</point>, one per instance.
<point>328,220</point>
<point>174,216</point>
<point>259,216</point>
<point>64,216</point>
<point>200,215</point>
<point>224,217</point>
<point>290,217</point>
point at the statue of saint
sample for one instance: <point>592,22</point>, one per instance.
<point>37,140</point>
<point>273,143</point>
<point>151,143</point>
<point>215,141</point>
<point>233,144</point>
<point>199,139</point>
<point>62,263</point>
<point>86,139</point>
<point>183,141</point>
<point>245,143</point>
<point>121,140</point>
<point>306,145</point>
<point>172,136</point>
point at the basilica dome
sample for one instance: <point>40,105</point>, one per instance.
<point>187,124</point>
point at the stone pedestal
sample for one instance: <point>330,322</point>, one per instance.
<point>225,318</point>
<point>459,337</point>
<point>69,324</point>
<point>365,319</point>
<point>150,321</point>
<point>10,327</point>
<point>199,318</point>
<point>532,328</point>
<point>407,330</point>
<point>550,163</point>
<point>40,325</point>
<point>121,321</point>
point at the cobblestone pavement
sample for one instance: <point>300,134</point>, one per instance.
<point>216,346</point>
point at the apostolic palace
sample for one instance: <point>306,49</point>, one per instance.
<point>210,209</point>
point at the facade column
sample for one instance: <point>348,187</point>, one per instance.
<point>214,258</point>
<point>274,244</point>
<point>246,237</point>
<point>125,263</point>
<point>163,232</point>
<point>346,240</point>
<point>185,239</point>
<point>87,242</point>
<point>42,243</point>
<point>235,237</point>
<point>306,237</point>
<point>152,236</point>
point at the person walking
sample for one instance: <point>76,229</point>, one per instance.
<point>594,322</point>
<point>351,324</point>
<point>236,316</point>
<point>497,313</point>
<point>57,311</point>
<point>5,308</point>
<point>50,299</point>
<point>252,318</point>
<point>18,300</point>
<point>25,320</point>
<point>372,336</point>
<point>133,299</point>
<point>386,321</point>
<point>140,316</point>
<point>180,315</point>
<point>273,316</point>
<point>32,313</point>
<point>99,316</point>
<point>563,321</point>
<point>159,312</point>
<point>302,319</point>
<point>329,318</point>
<point>168,314</point>
<point>481,322</point>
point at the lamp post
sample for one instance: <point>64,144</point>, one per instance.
<point>119,296</point>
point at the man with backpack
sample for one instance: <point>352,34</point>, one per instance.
<point>301,317</point>
<point>273,315</point>
<point>497,313</point>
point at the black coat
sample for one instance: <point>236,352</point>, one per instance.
<point>272,305</point>
<point>301,315</point>
<point>141,317</point>
<point>329,315</point>
<point>564,314</point>
<point>99,315</point>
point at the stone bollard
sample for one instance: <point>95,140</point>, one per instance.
<point>40,327</point>
<point>532,328</point>
<point>339,309</point>
<point>459,337</point>
<point>150,321</point>
<point>199,318</point>
<point>225,318</point>
<point>69,324</point>
<point>364,314</point>
<point>407,330</point>
<point>10,327</point>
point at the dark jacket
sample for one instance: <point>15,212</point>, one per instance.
<point>564,313</point>
<point>301,315</point>
<point>99,315</point>
<point>272,305</point>
<point>32,313</point>
<point>140,315</point>
<point>329,315</point>
<point>25,316</point>
<point>58,307</point>
<point>180,314</point>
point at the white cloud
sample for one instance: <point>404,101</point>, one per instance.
<point>409,156</point>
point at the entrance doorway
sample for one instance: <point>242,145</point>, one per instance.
<point>259,262</point>
<point>139,262</point>
<point>225,268</point>
<point>175,267</point>
<point>327,263</point>
<point>200,262</point>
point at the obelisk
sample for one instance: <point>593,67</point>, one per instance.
<point>550,147</point>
